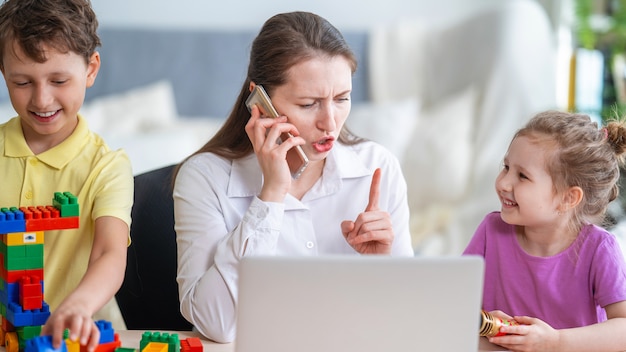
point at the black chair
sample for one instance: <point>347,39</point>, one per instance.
<point>148,298</point>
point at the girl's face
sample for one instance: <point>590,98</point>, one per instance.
<point>316,100</point>
<point>525,188</point>
<point>48,95</point>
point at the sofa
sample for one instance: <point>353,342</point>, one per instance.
<point>444,94</point>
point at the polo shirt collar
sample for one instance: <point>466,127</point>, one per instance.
<point>56,157</point>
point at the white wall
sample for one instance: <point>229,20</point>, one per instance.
<point>234,14</point>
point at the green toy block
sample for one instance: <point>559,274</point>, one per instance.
<point>25,263</point>
<point>11,252</point>
<point>125,349</point>
<point>172,340</point>
<point>66,202</point>
<point>34,250</point>
<point>27,332</point>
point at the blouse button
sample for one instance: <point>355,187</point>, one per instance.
<point>29,195</point>
<point>309,245</point>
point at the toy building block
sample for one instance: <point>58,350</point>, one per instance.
<point>13,276</point>
<point>155,347</point>
<point>44,218</point>
<point>106,331</point>
<point>67,203</point>
<point>31,293</point>
<point>28,332</point>
<point>172,340</point>
<point>109,340</point>
<point>17,316</point>
<point>11,220</point>
<point>125,349</point>
<point>43,344</point>
<point>72,346</point>
<point>107,346</point>
<point>191,344</point>
<point>22,237</point>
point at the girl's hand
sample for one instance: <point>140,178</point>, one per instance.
<point>531,335</point>
<point>264,134</point>
<point>372,232</point>
<point>80,324</point>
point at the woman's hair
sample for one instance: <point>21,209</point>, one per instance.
<point>285,40</point>
<point>65,25</point>
<point>581,155</point>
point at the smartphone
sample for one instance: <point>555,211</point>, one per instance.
<point>296,158</point>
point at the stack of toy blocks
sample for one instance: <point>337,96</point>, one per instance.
<point>22,304</point>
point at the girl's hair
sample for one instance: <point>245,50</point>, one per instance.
<point>581,155</point>
<point>284,40</point>
<point>65,25</point>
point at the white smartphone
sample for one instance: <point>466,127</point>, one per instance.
<point>296,158</point>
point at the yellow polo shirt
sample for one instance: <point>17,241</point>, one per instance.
<point>83,164</point>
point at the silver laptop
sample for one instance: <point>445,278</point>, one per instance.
<point>360,304</point>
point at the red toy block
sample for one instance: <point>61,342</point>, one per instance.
<point>32,302</point>
<point>106,347</point>
<point>191,344</point>
<point>31,293</point>
<point>43,218</point>
<point>30,286</point>
<point>11,276</point>
<point>6,324</point>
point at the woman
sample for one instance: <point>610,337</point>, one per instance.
<point>236,197</point>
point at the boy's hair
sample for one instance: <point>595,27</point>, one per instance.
<point>581,155</point>
<point>65,25</point>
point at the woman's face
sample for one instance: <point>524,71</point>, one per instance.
<point>316,100</point>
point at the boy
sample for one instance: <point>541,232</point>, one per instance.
<point>48,58</point>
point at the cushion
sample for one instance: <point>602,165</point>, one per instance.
<point>137,110</point>
<point>390,123</point>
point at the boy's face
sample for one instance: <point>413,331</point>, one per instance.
<point>48,95</point>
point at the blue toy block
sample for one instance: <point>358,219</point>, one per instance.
<point>40,316</point>
<point>17,316</point>
<point>106,331</point>
<point>43,344</point>
<point>12,220</point>
<point>13,292</point>
<point>20,317</point>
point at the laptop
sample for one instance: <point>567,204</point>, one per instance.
<point>360,304</point>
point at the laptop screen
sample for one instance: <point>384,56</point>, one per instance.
<point>360,303</point>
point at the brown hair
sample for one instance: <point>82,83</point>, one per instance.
<point>66,25</point>
<point>284,40</point>
<point>581,155</point>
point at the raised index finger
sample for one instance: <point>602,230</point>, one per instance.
<point>374,191</point>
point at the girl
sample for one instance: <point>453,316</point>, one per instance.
<point>549,266</point>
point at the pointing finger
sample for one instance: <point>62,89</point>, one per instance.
<point>374,191</point>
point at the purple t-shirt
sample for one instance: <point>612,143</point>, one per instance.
<point>565,290</point>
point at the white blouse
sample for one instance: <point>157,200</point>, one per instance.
<point>217,211</point>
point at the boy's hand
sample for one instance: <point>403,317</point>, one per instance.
<point>372,232</point>
<point>81,327</point>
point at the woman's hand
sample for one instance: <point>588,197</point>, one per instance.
<point>264,134</point>
<point>371,232</point>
